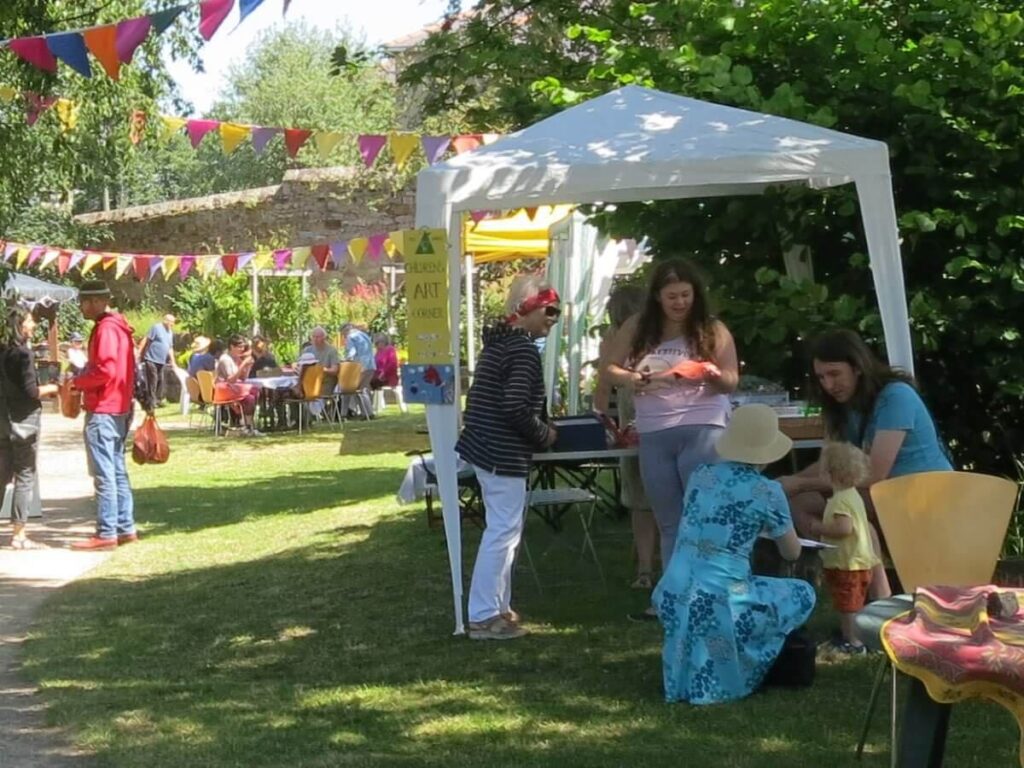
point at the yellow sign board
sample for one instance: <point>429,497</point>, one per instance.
<point>426,292</point>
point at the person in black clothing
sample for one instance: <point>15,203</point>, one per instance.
<point>20,416</point>
<point>262,358</point>
<point>504,425</point>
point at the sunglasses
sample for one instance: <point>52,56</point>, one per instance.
<point>553,311</point>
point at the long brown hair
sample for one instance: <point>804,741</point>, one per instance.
<point>699,327</point>
<point>844,346</point>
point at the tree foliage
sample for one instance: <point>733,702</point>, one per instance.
<point>940,81</point>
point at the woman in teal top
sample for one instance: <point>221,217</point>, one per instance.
<point>873,406</point>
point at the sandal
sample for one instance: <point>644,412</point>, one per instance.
<point>644,580</point>
<point>25,544</point>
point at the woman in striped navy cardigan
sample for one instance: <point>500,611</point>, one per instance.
<point>504,425</point>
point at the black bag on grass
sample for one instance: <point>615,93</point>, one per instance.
<point>794,668</point>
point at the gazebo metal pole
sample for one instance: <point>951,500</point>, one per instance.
<point>467,270</point>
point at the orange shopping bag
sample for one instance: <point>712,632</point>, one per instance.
<point>150,446</point>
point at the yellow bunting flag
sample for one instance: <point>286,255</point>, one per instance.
<point>263,260</point>
<point>7,93</point>
<point>397,240</point>
<point>357,248</point>
<point>124,263</point>
<point>233,134</point>
<point>402,146</point>
<point>92,261</point>
<point>171,125</point>
<point>170,266</point>
<point>390,248</point>
<point>300,256</point>
<point>204,265</point>
<point>22,257</point>
<point>325,142</point>
<point>67,114</point>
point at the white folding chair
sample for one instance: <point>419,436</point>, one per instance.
<point>584,501</point>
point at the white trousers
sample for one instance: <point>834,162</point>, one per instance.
<point>490,592</point>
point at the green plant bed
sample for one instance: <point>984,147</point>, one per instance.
<point>283,610</point>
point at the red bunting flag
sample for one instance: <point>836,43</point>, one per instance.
<point>294,138</point>
<point>102,43</point>
<point>322,256</point>
<point>230,263</point>
<point>35,51</point>
<point>63,262</point>
<point>140,265</point>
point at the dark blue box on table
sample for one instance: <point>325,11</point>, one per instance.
<point>580,433</point>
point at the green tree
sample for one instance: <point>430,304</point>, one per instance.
<point>940,81</point>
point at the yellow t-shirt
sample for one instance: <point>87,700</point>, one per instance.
<point>853,552</point>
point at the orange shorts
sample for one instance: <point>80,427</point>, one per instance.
<point>849,589</point>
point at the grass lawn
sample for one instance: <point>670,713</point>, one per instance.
<point>284,610</point>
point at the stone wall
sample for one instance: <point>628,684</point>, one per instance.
<point>310,206</point>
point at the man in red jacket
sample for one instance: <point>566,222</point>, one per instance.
<point>107,385</point>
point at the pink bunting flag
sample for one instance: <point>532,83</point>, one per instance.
<point>197,129</point>
<point>282,257</point>
<point>294,138</point>
<point>212,14</point>
<point>478,216</point>
<point>77,257</point>
<point>434,147</point>
<point>244,259</point>
<point>36,105</point>
<point>131,33</point>
<point>35,51</point>
<point>321,255</point>
<point>35,254</point>
<point>261,136</point>
<point>339,249</point>
<point>370,146</point>
<point>155,262</point>
<point>185,266</point>
<point>9,250</point>
<point>375,245</point>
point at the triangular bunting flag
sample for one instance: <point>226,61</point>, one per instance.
<point>300,256</point>
<point>92,260</point>
<point>246,7</point>
<point>402,145</point>
<point>325,142</point>
<point>204,265</point>
<point>321,255</point>
<point>63,262</point>
<point>67,114</point>
<point>22,256</point>
<point>531,212</point>
<point>282,257</point>
<point>357,248</point>
<point>185,266</point>
<point>70,48</point>
<point>35,51</point>
<point>140,266</point>
<point>478,216</point>
<point>263,260</point>
<point>244,259</point>
<point>233,134</point>
<point>370,146</point>
<point>339,249</point>
<point>212,14</point>
<point>102,42</point>
<point>390,247</point>
<point>197,129</point>
<point>435,146</point>
<point>260,137</point>
<point>374,245</point>
<point>131,33</point>
<point>109,260</point>
<point>284,11</point>
<point>36,105</point>
<point>124,263</point>
<point>161,20</point>
<point>9,250</point>
<point>49,257</point>
<point>489,138</point>
<point>169,266</point>
<point>294,138</point>
<point>467,142</point>
<point>35,254</point>
<point>229,261</point>
<point>155,262</point>
<point>7,93</point>
<point>171,125</point>
<point>397,238</point>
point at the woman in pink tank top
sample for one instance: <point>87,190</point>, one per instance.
<point>681,364</point>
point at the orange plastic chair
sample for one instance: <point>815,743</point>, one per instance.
<point>354,382</point>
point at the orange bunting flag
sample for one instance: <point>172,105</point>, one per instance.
<point>402,146</point>
<point>467,142</point>
<point>233,134</point>
<point>294,138</point>
<point>92,260</point>
<point>102,43</point>
<point>63,262</point>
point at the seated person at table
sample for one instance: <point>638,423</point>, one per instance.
<point>262,358</point>
<point>203,358</point>
<point>385,362</point>
<point>724,627</point>
<point>78,357</point>
<point>327,356</point>
<point>845,526</point>
<point>233,368</point>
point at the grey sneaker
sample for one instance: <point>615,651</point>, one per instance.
<point>498,628</point>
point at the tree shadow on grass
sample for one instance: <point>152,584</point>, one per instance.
<point>339,651</point>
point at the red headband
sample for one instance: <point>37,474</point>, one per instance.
<point>545,298</point>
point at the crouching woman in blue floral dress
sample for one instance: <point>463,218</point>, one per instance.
<point>724,627</point>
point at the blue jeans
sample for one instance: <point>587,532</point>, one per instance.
<point>105,434</point>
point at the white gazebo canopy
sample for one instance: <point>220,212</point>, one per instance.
<point>640,144</point>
